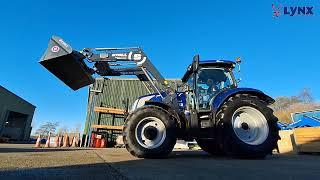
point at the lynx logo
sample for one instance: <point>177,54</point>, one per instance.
<point>292,10</point>
<point>276,10</point>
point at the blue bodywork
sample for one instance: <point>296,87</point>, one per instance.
<point>181,98</point>
<point>155,97</point>
<point>218,98</point>
<point>223,95</point>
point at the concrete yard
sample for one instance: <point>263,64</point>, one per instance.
<point>19,161</point>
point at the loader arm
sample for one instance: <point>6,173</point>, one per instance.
<point>70,66</point>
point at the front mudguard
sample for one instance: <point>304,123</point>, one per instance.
<point>178,116</point>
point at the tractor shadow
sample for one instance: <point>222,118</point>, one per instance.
<point>199,154</point>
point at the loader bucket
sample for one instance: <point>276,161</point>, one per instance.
<point>66,64</point>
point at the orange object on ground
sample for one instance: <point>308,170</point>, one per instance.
<point>47,142</point>
<point>70,141</point>
<point>37,145</point>
<point>103,143</point>
<point>66,141</point>
<point>60,141</point>
<point>56,141</point>
<point>92,140</point>
<point>97,143</point>
<point>74,143</point>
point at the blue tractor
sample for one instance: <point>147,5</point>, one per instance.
<point>224,119</point>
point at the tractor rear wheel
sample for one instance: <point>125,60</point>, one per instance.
<point>210,146</point>
<point>247,127</point>
<point>149,132</point>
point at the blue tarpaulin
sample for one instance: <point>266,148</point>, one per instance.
<point>303,119</point>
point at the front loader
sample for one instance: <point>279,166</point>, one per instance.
<point>223,118</point>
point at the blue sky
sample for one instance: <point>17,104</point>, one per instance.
<point>280,55</point>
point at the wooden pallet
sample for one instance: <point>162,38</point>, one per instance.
<point>307,139</point>
<point>107,127</point>
<point>287,143</point>
<point>109,110</point>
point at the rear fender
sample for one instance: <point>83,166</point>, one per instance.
<point>224,95</point>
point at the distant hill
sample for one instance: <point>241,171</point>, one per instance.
<point>284,106</point>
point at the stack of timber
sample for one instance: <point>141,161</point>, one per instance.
<point>109,110</point>
<point>307,139</point>
<point>108,127</point>
<point>286,145</point>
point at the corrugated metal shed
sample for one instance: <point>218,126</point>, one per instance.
<point>15,116</point>
<point>115,93</point>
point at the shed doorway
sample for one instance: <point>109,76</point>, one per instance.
<point>14,126</point>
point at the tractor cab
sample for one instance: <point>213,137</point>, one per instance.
<point>205,79</point>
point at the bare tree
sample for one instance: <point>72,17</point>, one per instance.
<point>282,102</point>
<point>305,96</point>
<point>77,128</point>
<point>63,130</point>
<point>46,128</point>
<point>284,106</point>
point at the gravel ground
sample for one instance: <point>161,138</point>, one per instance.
<point>26,162</point>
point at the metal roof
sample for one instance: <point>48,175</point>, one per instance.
<point>18,97</point>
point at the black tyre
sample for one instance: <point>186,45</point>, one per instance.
<point>247,127</point>
<point>149,132</point>
<point>210,146</point>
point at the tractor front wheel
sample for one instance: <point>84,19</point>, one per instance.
<point>149,132</point>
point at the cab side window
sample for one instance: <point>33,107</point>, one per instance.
<point>190,95</point>
<point>190,83</point>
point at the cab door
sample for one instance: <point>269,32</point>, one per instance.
<point>191,102</point>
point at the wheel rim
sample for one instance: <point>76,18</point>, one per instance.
<point>250,125</point>
<point>150,132</point>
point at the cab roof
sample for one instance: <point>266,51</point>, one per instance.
<point>209,63</point>
<point>218,63</point>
